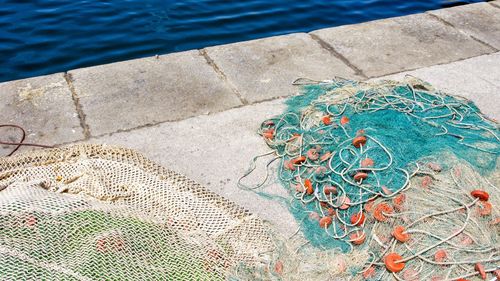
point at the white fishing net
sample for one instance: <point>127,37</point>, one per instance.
<point>91,212</point>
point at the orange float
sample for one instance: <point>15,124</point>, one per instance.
<point>357,238</point>
<point>312,154</point>
<point>367,162</point>
<point>390,262</point>
<point>325,222</point>
<point>278,267</point>
<point>380,209</point>
<point>345,201</point>
<point>485,208</point>
<point>299,160</point>
<point>480,194</point>
<point>440,255</point>
<point>360,176</point>
<point>399,200</point>
<point>268,134</point>
<point>344,120</point>
<point>329,190</point>
<point>325,156</point>
<point>400,235</point>
<point>369,273</point>
<point>359,141</point>
<point>369,206</point>
<point>358,218</point>
<point>480,269</point>
<point>326,120</point>
<point>308,186</point>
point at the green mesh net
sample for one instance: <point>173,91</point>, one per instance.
<point>91,212</point>
<point>351,153</point>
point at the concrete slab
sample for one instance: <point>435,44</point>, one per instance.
<point>43,106</point>
<point>481,20</point>
<point>215,150</point>
<point>397,44</point>
<point>264,69</point>
<point>135,93</point>
<point>477,79</point>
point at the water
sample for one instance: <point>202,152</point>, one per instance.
<point>48,36</point>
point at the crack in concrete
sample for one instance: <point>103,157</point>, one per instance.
<point>331,50</point>
<point>78,106</point>
<point>222,75</point>
<point>462,31</point>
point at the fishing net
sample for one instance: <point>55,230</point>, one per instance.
<point>90,212</point>
<point>389,180</point>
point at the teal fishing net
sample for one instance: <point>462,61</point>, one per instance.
<point>350,152</point>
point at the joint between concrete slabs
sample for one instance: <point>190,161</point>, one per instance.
<point>459,30</point>
<point>222,75</point>
<point>78,106</point>
<point>331,50</point>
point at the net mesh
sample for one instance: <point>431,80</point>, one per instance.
<point>395,180</point>
<point>90,212</point>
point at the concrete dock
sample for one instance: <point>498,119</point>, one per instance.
<point>196,112</point>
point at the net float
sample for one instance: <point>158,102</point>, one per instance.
<point>314,216</point>
<point>480,269</point>
<point>360,176</point>
<point>326,120</point>
<point>386,190</point>
<point>325,156</point>
<point>485,208</point>
<point>359,141</point>
<point>369,273</point>
<point>278,267</point>
<point>480,194</point>
<point>330,190</point>
<point>357,238</point>
<point>358,218</point>
<point>299,160</point>
<point>312,154</point>
<point>268,134</point>
<point>400,235</point>
<point>399,200</point>
<point>434,166</point>
<point>309,187</point>
<point>345,201</point>
<point>268,123</point>
<point>367,162</point>
<point>440,255</point>
<point>391,262</point>
<point>325,222</point>
<point>369,206</point>
<point>344,120</point>
<point>380,209</point>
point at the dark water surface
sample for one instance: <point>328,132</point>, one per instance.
<point>47,36</point>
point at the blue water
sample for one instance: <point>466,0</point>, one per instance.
<point>47,36</point>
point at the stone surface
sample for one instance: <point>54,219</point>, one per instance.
<point>393,45</point>
<point>43,106</point>
<point>477,79</point>
<point>264,69</point>
<point>135,93</point>
<point>214,150</point>
<point>481,20</point>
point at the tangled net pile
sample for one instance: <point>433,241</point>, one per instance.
<point>90,212</point>
<point>398,175</point>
